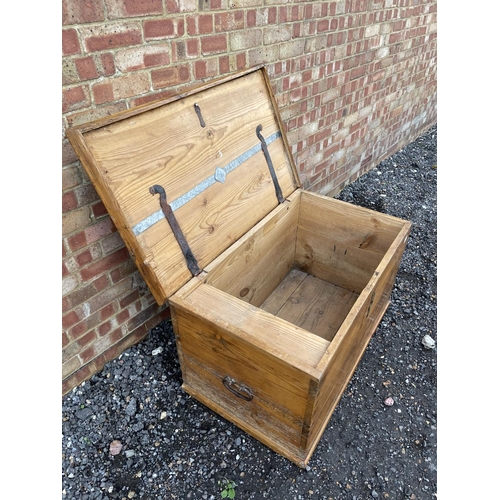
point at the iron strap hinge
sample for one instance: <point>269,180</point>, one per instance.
<point>174,225</point>
<point>263,145</point>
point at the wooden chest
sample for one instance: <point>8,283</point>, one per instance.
<point>274,291</point>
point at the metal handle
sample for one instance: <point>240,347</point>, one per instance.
<point>198,112</point>
<point>174,225</point>
<point>240,390</point>
<point>270,165</point>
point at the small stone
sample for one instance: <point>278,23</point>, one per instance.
<point>84,413</point>
<point>129,453</point>
<point>157,351</point>
<point>131,408</point>
<point>428,342</point>
<point>163,415</point>
<point>389,401</point>
<point>115,447</point>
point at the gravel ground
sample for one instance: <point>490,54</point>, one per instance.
<point>131,432</point>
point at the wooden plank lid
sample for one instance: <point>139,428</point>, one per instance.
<point>204,150</point>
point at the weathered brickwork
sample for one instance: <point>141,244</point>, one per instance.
<point>355,81</point>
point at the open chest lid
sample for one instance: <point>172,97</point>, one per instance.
<point>184,178</point>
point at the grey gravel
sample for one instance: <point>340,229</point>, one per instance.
<point>175,448</point>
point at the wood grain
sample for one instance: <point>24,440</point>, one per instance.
<point>255,265</point>
<point>126,154</point>
<point>311,303</point>
<point>284,341</point>
<point>340,242</point>
<point>283,292</point>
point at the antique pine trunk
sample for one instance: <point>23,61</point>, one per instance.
<point>274,291</point>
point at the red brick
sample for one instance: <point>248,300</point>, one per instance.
<point>108,294</point>
<point>160,59</point>
<point>122,272</point>
<point>74,98</point>
<point>69,320</point>
<point>180,27</point>
<point>172,6</point>
<point>70,42</point>
<point>103,92</point>
<point>69,201</point>
<point>77,241</point>
<point>213,44</point>
<point>86,194</point>
<point>76,379</point>
<point>70,177</point>
<point>272,15</point>
<point>229,21</point>
<point>88,354</point>
<point>241,61</point>
<point>205,24</point>
<point>99,230</point>
<point>132,8</point>
<point>323,25</point>
<point>223,65</point>
<point>251,18</point>
<point>86,68</point>
<point>80,12</point>
<point>66,306</point>
<point>99,210</point>
<point>68,157</point>
<point>107,311</point>
<point>104,329</point>
<point>104,264</point>
<point>131,297</point>
<point>394,37</point>
<point>200,70</point>
<point>357,72</point>
<point>283,14</point>
<point>170,76</point>
<point>112,242</point>
<point>100,284</point>
<point>143,317</point>
<point>113,40</point>
<point>86,339</point>
<point>192,47</point>
<point>160,28</point>
<point>398,25</point>
<point>65,340</point>
<point>358,5</point>
<point>122,316</point>
<point>78,330</point>
<point>191,26</point>
<point>84,258</point>
<point>107,64</point>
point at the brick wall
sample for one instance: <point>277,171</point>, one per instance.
<point>355,81</point>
